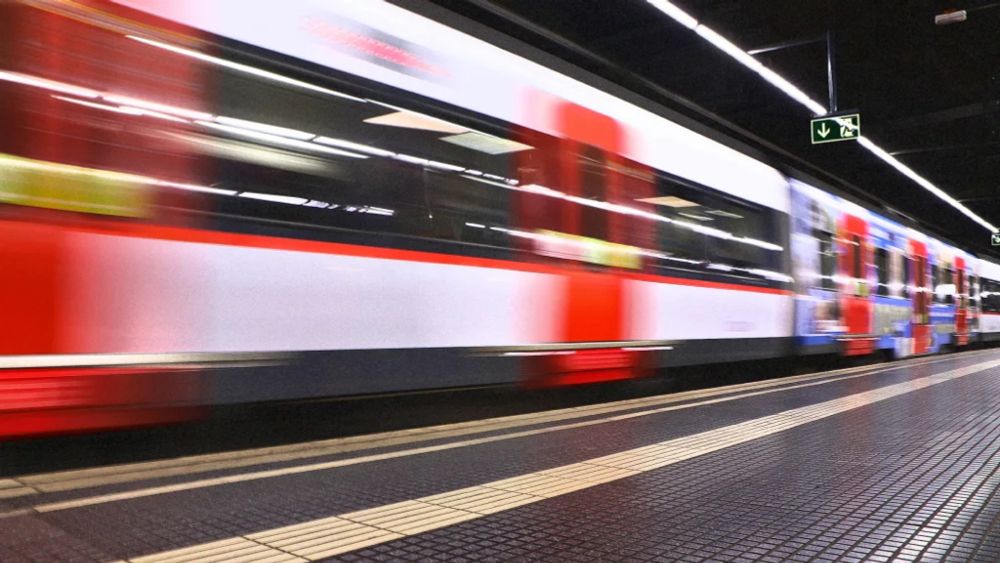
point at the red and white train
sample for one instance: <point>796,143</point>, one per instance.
<point>207,202</point>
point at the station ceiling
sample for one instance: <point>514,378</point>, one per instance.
<point>928,94</point>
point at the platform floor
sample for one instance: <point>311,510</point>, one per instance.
<point>894,462</point>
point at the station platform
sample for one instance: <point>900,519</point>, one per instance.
<point>891,462</point>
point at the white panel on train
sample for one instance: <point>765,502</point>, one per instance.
<point>989,321</point>
<point>143,295</point>
<point>451,66</point>
<point>660,311</point>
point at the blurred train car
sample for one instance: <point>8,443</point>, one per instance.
<point>866,283</point>
<point>986,321</point>
<point>364,199</point>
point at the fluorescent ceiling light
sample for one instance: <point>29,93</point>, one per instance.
<point>47,84</point>
<point>414,120</point>
<point>723,44</point>
<point>243,68</point>
<point>669,201</point>
<point>353,146</point>
<point>696,217</point>
<point>923,182</point>
<point>802,98</point>
<point>275,198</point>
<point>475,225</point>
<point>454,127</point>
<point>488,144</point>
<point>265,128</point>
<point>792,91</point>
<point>678,14</point>
<point>278,140</point>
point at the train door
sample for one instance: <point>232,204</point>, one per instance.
<point>920,320</point>
<point>961,303</point>
<point>581,164</point>
<point>974,305</point>
<point>855,303</point>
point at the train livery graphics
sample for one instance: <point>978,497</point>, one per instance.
<point>366,200</point>
<point>867,283</point>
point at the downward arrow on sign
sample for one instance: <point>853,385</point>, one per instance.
<point>823,131</point>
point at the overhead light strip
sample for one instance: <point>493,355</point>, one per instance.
<point>792,91</point>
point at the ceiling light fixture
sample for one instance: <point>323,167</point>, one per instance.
<point>413,120</point>
<point>489,144</point>
<point>669,201</point>
<point>792,91</point>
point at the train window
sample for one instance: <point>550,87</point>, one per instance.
<point>271,159</point>
<point>961,293</point>
<point>896,280</point>
<point>705,232</point>
<point>935,282</point>
<point>949,288</point>
<point>907,277</point>
<point>360,163</point>
<point>594,179</point>
<point>827,260</point>
<point>381,175</point>
<point>989,295</point>
<point>882,268</point>
<point>858,255</point>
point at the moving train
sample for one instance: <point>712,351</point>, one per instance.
<point>209,203</point>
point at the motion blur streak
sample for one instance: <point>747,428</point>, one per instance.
<point>379,202</point>
<point>67,159</point>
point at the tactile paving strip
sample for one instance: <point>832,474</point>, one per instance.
<point>437,511</point>
<point>10,488</point>
<point>913,479</point>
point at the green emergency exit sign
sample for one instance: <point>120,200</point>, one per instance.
<point>995,239</point>
<point>833,129</point>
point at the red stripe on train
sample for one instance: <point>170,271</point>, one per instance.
<point>49,400</point>
<point>182,234</point>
